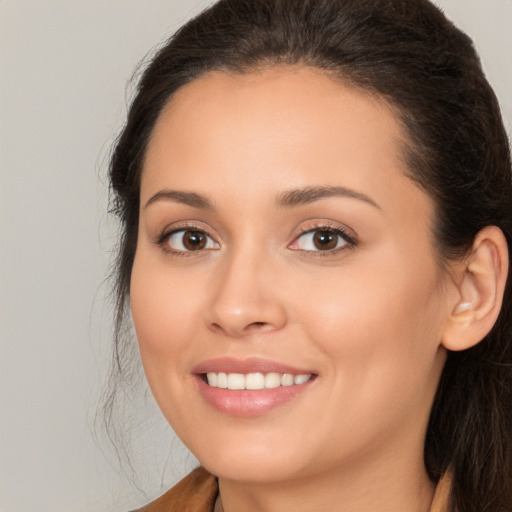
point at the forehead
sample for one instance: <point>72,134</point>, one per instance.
<point>279,98</point>
<point>280,127</point>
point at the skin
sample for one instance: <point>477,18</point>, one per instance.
<point>368,320</point>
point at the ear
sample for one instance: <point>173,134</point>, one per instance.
<point>480,281</point>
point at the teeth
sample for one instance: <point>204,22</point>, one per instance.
<point>212,379</point>
<point>222,380</point>
<point>254,381</point>
<point>272,380</point>
<point>287,380</point>
<point>236,381</point>
<point>300,379</point>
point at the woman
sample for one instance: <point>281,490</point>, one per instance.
<point>316,208</point>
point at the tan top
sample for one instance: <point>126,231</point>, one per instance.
<point>198,492</point>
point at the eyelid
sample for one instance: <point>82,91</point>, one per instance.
<point>168,231</point>
<point>329,226</point>
<point>318,225</point>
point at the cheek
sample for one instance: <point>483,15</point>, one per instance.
<point>379,324</point>
<point>380,339</point>
<point>163,311</point>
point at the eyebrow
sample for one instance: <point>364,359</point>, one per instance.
<point>288,199</point>
<point>189,198</point>
<point>301,196</point>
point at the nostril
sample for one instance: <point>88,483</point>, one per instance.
<point>232,330</point>
<point>258,325</point>
<point>216,327</point>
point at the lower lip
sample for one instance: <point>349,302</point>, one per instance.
<point>249,403</point>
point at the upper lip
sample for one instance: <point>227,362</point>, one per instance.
<point>249,365</point>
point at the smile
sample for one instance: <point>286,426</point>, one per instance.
<point>254,381</point>
<point>252,386</point>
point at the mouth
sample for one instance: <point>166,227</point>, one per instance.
<point>254,381</point>
<point>251,387</point>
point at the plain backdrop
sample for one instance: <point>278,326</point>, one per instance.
<point>64,66</point>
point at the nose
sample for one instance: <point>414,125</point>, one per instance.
<point>245,299</point>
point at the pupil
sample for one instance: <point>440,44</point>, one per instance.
<point>194,240</point>
<point>325,240</point>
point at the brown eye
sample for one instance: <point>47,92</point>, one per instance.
<point>194,240</point>
<point>325,240</point>
<point>187,240</point>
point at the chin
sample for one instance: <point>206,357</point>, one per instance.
<point>254,470</point>
<point>250,458</point>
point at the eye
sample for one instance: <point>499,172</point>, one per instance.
<point>186,240</point>
<point>323,239</point>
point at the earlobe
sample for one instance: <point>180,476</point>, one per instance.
<point>480,282</point>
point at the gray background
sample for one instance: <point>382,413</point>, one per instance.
<point>64,65</point>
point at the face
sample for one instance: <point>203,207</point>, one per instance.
<point>285,291</point>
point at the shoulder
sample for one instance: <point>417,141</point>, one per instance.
<point>197,492</point>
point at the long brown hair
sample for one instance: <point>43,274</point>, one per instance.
<point>408,53</point>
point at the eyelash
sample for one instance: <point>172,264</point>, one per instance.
<point>349,241</point>
<point>164,238</point>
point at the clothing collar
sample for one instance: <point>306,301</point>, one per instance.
<point>199,492</point>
